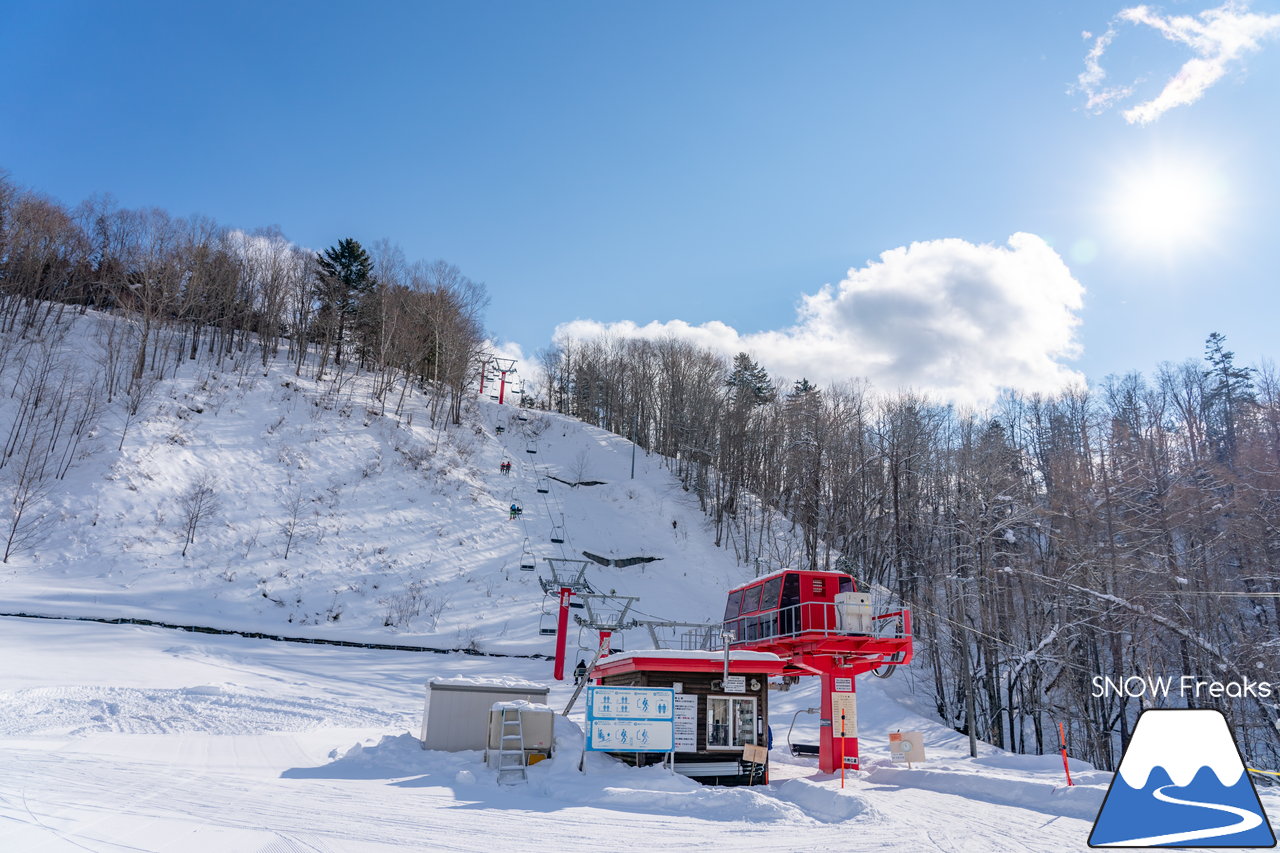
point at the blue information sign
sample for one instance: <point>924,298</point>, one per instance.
<point>630,719</point>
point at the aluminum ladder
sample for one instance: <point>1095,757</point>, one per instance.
<point>511,761</point>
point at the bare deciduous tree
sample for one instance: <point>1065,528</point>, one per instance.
<point>198,506</point>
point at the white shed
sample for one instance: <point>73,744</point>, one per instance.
<point>456,715</point>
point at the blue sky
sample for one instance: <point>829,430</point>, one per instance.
<point>651,162</point>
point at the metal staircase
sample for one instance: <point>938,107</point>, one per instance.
<point>511,760</point>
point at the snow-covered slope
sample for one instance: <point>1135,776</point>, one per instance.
<point>401,533</point>
<point>117,737</point>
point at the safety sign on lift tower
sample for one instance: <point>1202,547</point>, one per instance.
<point>630,719</point>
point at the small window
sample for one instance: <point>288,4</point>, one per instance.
<point>846,585</point>
<point>733,607</point>
<point>789,615</point>
<point>820,586</point>
<point>772,587</point>
<point>751,599</point>
<point>731,722</point>
<point>791,591</point>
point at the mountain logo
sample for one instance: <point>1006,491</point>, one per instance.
<point>1181,783</point>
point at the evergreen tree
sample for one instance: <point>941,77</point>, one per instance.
<point>1229,393</point>
<point>801,387</point>
<point>749,382</point>
<point>344,274</point>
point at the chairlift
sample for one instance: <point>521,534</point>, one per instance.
<point>544,485</point>
<point>557,534</point>
<point>547,619</point>
<point>522,417</point>
<point>527,561</point>
<point>493,396</point>
<point>531,447</point>
<point>499,429</point>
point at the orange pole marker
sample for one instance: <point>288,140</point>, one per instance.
<point>1062,740</point>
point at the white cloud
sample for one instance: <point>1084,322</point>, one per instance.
<point>1218,37</point>
<point>953,319</point>
<point>1099,97</point>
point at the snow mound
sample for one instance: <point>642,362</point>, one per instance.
<point>1080,801</point>
<point>828,805</point>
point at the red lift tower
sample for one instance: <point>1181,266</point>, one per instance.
<point>819,624</point>
<point>504,366</point>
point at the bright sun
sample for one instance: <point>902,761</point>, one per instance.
<point>1167,206</point>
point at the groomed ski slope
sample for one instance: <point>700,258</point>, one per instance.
<point>123,738</point>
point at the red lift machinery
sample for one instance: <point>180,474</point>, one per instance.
<point>504,366</point>
<point>816,622</point>
<point>819,624</point>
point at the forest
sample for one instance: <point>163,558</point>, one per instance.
<point>1126,529</point>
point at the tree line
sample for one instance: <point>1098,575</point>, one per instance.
<point>166,290</point>
<point>1128,529</point>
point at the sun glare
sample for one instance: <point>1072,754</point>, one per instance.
<point>1166,206</point>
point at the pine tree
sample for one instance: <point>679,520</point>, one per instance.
<point>344,274</point>
<point>1230,392</point>
<point>750,382</point>
<point>801,387</point>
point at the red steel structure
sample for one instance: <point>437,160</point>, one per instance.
<point>819,624</point>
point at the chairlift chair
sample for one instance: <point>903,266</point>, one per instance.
<point>547,620</point>
<point>531,447</point>
<point>527,561</point>
<point>557,534</point>
<point>544,485</point>
<point>522,417</point>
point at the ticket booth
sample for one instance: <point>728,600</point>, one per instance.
<point>721,724</point>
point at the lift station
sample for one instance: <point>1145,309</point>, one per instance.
<point>819,624</point>
<point>815,622</point>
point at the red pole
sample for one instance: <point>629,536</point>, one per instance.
<point>826,740</point>
<point>1062,739</point>
<point>502,388</point>
<point>562,631</point>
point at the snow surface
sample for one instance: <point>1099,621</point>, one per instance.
<point>309,749</point>
<point>504,682</point>
<point>403,534</point>
<point>119,737</point>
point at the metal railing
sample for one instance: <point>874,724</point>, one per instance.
<point>815,619</point>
